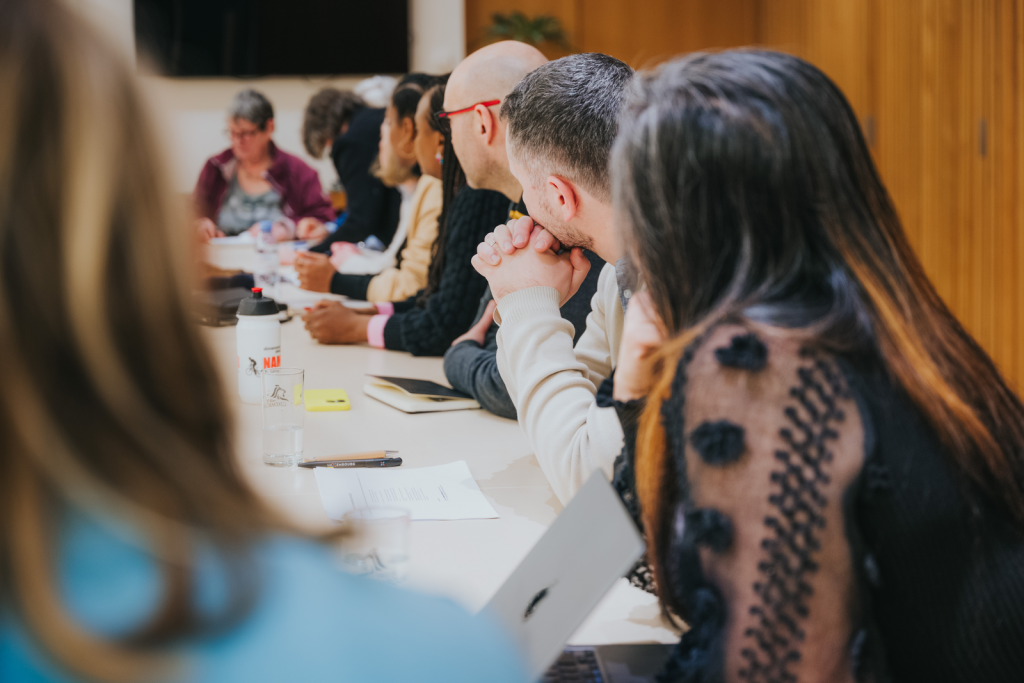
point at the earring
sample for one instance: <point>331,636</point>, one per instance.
<point>440,159</point>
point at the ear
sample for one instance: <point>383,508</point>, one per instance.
<point>486,125</point>
<point>440,143</point>
<point>270,126</point>
<point>563,196</point>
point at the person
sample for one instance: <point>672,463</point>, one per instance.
<point>340,122</point>
<point>830,469</point>
<point>373,209</point>
<point>253,180</point>
<point>425,324</point>
<point>487,76</point>
<point>131,547</point>
<point>411,245</point>
<point>562,120</point>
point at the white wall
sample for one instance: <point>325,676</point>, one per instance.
<point>191,110</point>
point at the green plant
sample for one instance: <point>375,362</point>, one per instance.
<point>542,28</point>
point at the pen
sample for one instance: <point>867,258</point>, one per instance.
<point>368,462</point>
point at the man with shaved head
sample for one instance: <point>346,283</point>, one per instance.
<point>473,96</point>
<point>475,91</point>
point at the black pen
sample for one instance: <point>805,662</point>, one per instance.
<point>338,464</point>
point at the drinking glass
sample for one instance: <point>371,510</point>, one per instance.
<point>378,546</point>
<point>284,414</point>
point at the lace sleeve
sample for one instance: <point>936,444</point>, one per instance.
<point>758,556</point>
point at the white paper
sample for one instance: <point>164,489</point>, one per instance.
<point>241,239</point>
<point>440,492</point>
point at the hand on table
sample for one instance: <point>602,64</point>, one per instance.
<point>332,322</point>
<point>522,267</point>
<point>310,229</point>
<point>314,270</point>
<point>207,229</point>
<point>642,334</point>
<point>478,332</point>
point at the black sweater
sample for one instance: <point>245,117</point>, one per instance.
<point>372,207</point>
<point>429,329</point>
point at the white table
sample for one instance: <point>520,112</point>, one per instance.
<point>465,560</point>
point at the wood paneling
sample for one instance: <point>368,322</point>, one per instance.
<point>939,88</point>
<point>645,32</point>
<point>639,32</point>
<point>839,37</point>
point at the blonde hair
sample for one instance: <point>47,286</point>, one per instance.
<point>110,403</point>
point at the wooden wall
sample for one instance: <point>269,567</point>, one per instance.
<point>938,86</point>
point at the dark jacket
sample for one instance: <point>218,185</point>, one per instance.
<point>372,208</point>
<point>296,182</point>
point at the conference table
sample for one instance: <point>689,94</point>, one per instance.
<point>465,560</point>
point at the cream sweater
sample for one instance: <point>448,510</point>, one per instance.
<point>398,284</point>
<point>554,386</point>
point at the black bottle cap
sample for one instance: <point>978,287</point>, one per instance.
<point>257,304</point>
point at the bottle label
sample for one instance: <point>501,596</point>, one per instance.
<point>252,366</point>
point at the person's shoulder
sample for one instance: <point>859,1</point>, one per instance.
<point>342,627</point>
<point>608,285</point>
<point>430,189</point>
<point>291,163</point>
<point>367,119</point>
<point>481,205</point>
<point>221,157</point>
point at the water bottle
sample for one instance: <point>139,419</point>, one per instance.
<point>258,339</point>
<point>267,259</point>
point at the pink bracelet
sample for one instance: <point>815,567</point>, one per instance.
<point>386,308</point>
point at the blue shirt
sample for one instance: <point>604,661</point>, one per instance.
<point>311,622</point>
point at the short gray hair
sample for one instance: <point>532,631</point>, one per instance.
<point>252,106</point>
<point>566,113</point>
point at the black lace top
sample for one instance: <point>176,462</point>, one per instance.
<point>816,532</point>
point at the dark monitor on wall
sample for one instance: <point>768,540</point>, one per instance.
<point>273,37</point>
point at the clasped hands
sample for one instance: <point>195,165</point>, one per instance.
<point>509,265</point>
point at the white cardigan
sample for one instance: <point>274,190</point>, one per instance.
<point>553,386</point>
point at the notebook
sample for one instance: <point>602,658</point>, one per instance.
<point>417,395</point>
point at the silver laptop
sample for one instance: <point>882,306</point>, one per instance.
<point>591,544</point>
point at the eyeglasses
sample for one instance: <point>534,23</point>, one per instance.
<point>241,135</point>
<point>442,116</point>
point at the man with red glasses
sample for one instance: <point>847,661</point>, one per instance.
<point>476,89</point>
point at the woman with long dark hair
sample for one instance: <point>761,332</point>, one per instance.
<point>828,468</point>
<point>426,323</point>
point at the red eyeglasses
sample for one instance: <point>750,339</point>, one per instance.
<point>448,114</point>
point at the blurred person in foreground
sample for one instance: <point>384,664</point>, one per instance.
<point>828,468</point>
<point>130,547</point>
<point>254,181</point>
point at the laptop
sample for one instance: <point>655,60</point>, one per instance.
<point>591,544</point>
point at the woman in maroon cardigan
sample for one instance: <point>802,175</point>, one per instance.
<point>253,180</point>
